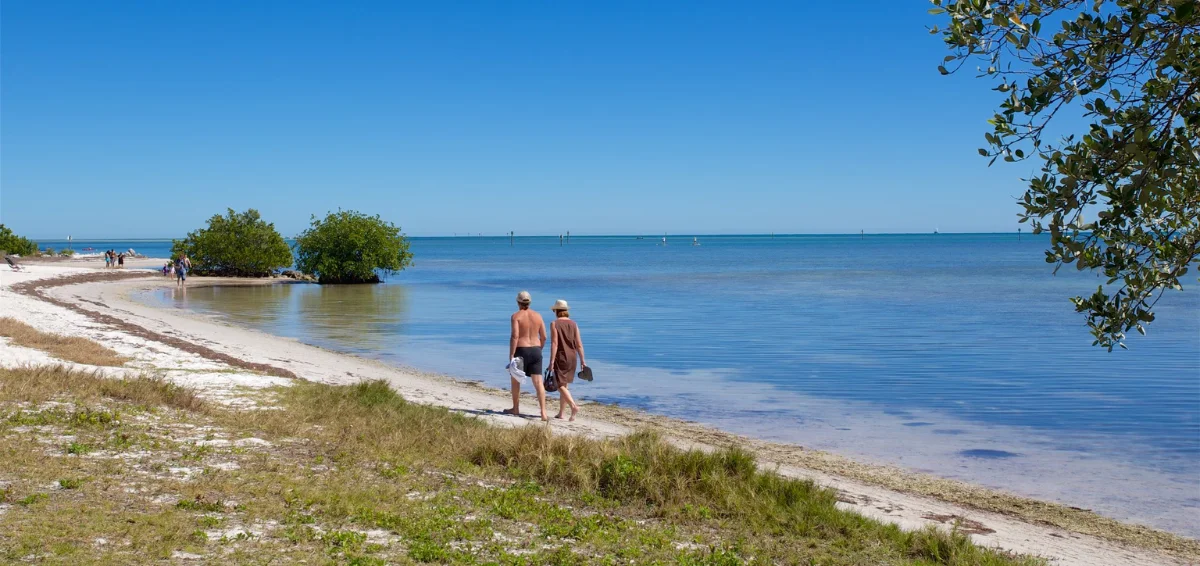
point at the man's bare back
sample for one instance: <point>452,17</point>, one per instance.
<point>528,329</point>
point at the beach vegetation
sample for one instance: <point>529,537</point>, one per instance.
<point>67,348</point>
<point>321,485</point>
<point>238,244</point>
<point>15,244</point>
<point>350,247</point>
<point>1118,190</point>
<point>66,253</point>
<point>70,483</point>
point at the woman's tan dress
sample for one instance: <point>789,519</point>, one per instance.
<point>563,332</point>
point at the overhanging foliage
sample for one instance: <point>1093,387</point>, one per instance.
<point>1130,67</point>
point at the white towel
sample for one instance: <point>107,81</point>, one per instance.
<point>516,369</point>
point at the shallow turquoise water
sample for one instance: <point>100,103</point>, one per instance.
<point>954,354</point>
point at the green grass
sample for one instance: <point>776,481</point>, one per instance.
<point>432,485</point>
<point>70,483</point>
<point>78,448</point>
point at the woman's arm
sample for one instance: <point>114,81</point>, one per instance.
<point>579,340</point>
<point>553,346</point>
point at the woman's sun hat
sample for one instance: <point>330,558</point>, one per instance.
<point>524,297</point>
<point>560,305</point>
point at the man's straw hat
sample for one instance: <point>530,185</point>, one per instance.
<point>524,297</point>
<point>560,305</point>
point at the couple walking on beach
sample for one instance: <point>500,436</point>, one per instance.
<point>527,342</point>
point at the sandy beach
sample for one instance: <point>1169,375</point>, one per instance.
<point>74,297</point>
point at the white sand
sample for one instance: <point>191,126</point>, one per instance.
<point>224,383</point>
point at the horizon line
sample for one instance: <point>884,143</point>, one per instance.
<point>592,235</point>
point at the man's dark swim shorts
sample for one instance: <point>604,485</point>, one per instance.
<point>532,358</point>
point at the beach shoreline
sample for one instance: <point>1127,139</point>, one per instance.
<point>1067,535</point>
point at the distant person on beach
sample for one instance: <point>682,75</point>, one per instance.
<point>182,265</point>
<point>121,261</point>
<point>526,342</point>
<point>106,260</point>
<point>566,347</point>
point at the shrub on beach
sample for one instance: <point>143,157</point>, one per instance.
<point>15,244</point>
<point>350,247</point>
<point>239,244</point>
<point>66,253</point>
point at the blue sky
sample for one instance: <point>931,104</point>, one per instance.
<point>127,119</point>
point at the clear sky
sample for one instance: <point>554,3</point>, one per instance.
<point>142,119</point>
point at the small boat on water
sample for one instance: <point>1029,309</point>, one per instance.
<point>695,241</point>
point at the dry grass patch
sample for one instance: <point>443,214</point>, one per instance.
<point>69,348</point>
<point>44,383</point>
<point>138,471</point>
<point>749,515</point>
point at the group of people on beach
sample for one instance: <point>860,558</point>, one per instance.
<point>114,259</point>
<point>525,347</point>
<point>178,268</point>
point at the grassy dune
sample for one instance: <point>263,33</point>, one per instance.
<point>69,348</point>
<point>137,471</point>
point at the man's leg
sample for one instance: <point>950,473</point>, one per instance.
<point>516,394</point>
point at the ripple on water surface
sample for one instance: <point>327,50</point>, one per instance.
<point>988,453</point>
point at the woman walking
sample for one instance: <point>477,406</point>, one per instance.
<point>565,347</point>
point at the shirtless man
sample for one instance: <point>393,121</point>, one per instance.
<point>527,340</point>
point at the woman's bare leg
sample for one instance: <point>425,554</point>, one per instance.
<point>565,398</point>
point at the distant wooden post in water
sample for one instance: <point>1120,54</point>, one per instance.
<point>1018,234</point>
<point>510,239</point>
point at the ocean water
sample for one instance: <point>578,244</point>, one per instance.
<point>957,355</point>
<point>149,248</point>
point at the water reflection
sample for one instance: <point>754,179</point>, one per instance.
<point>355,317</point>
